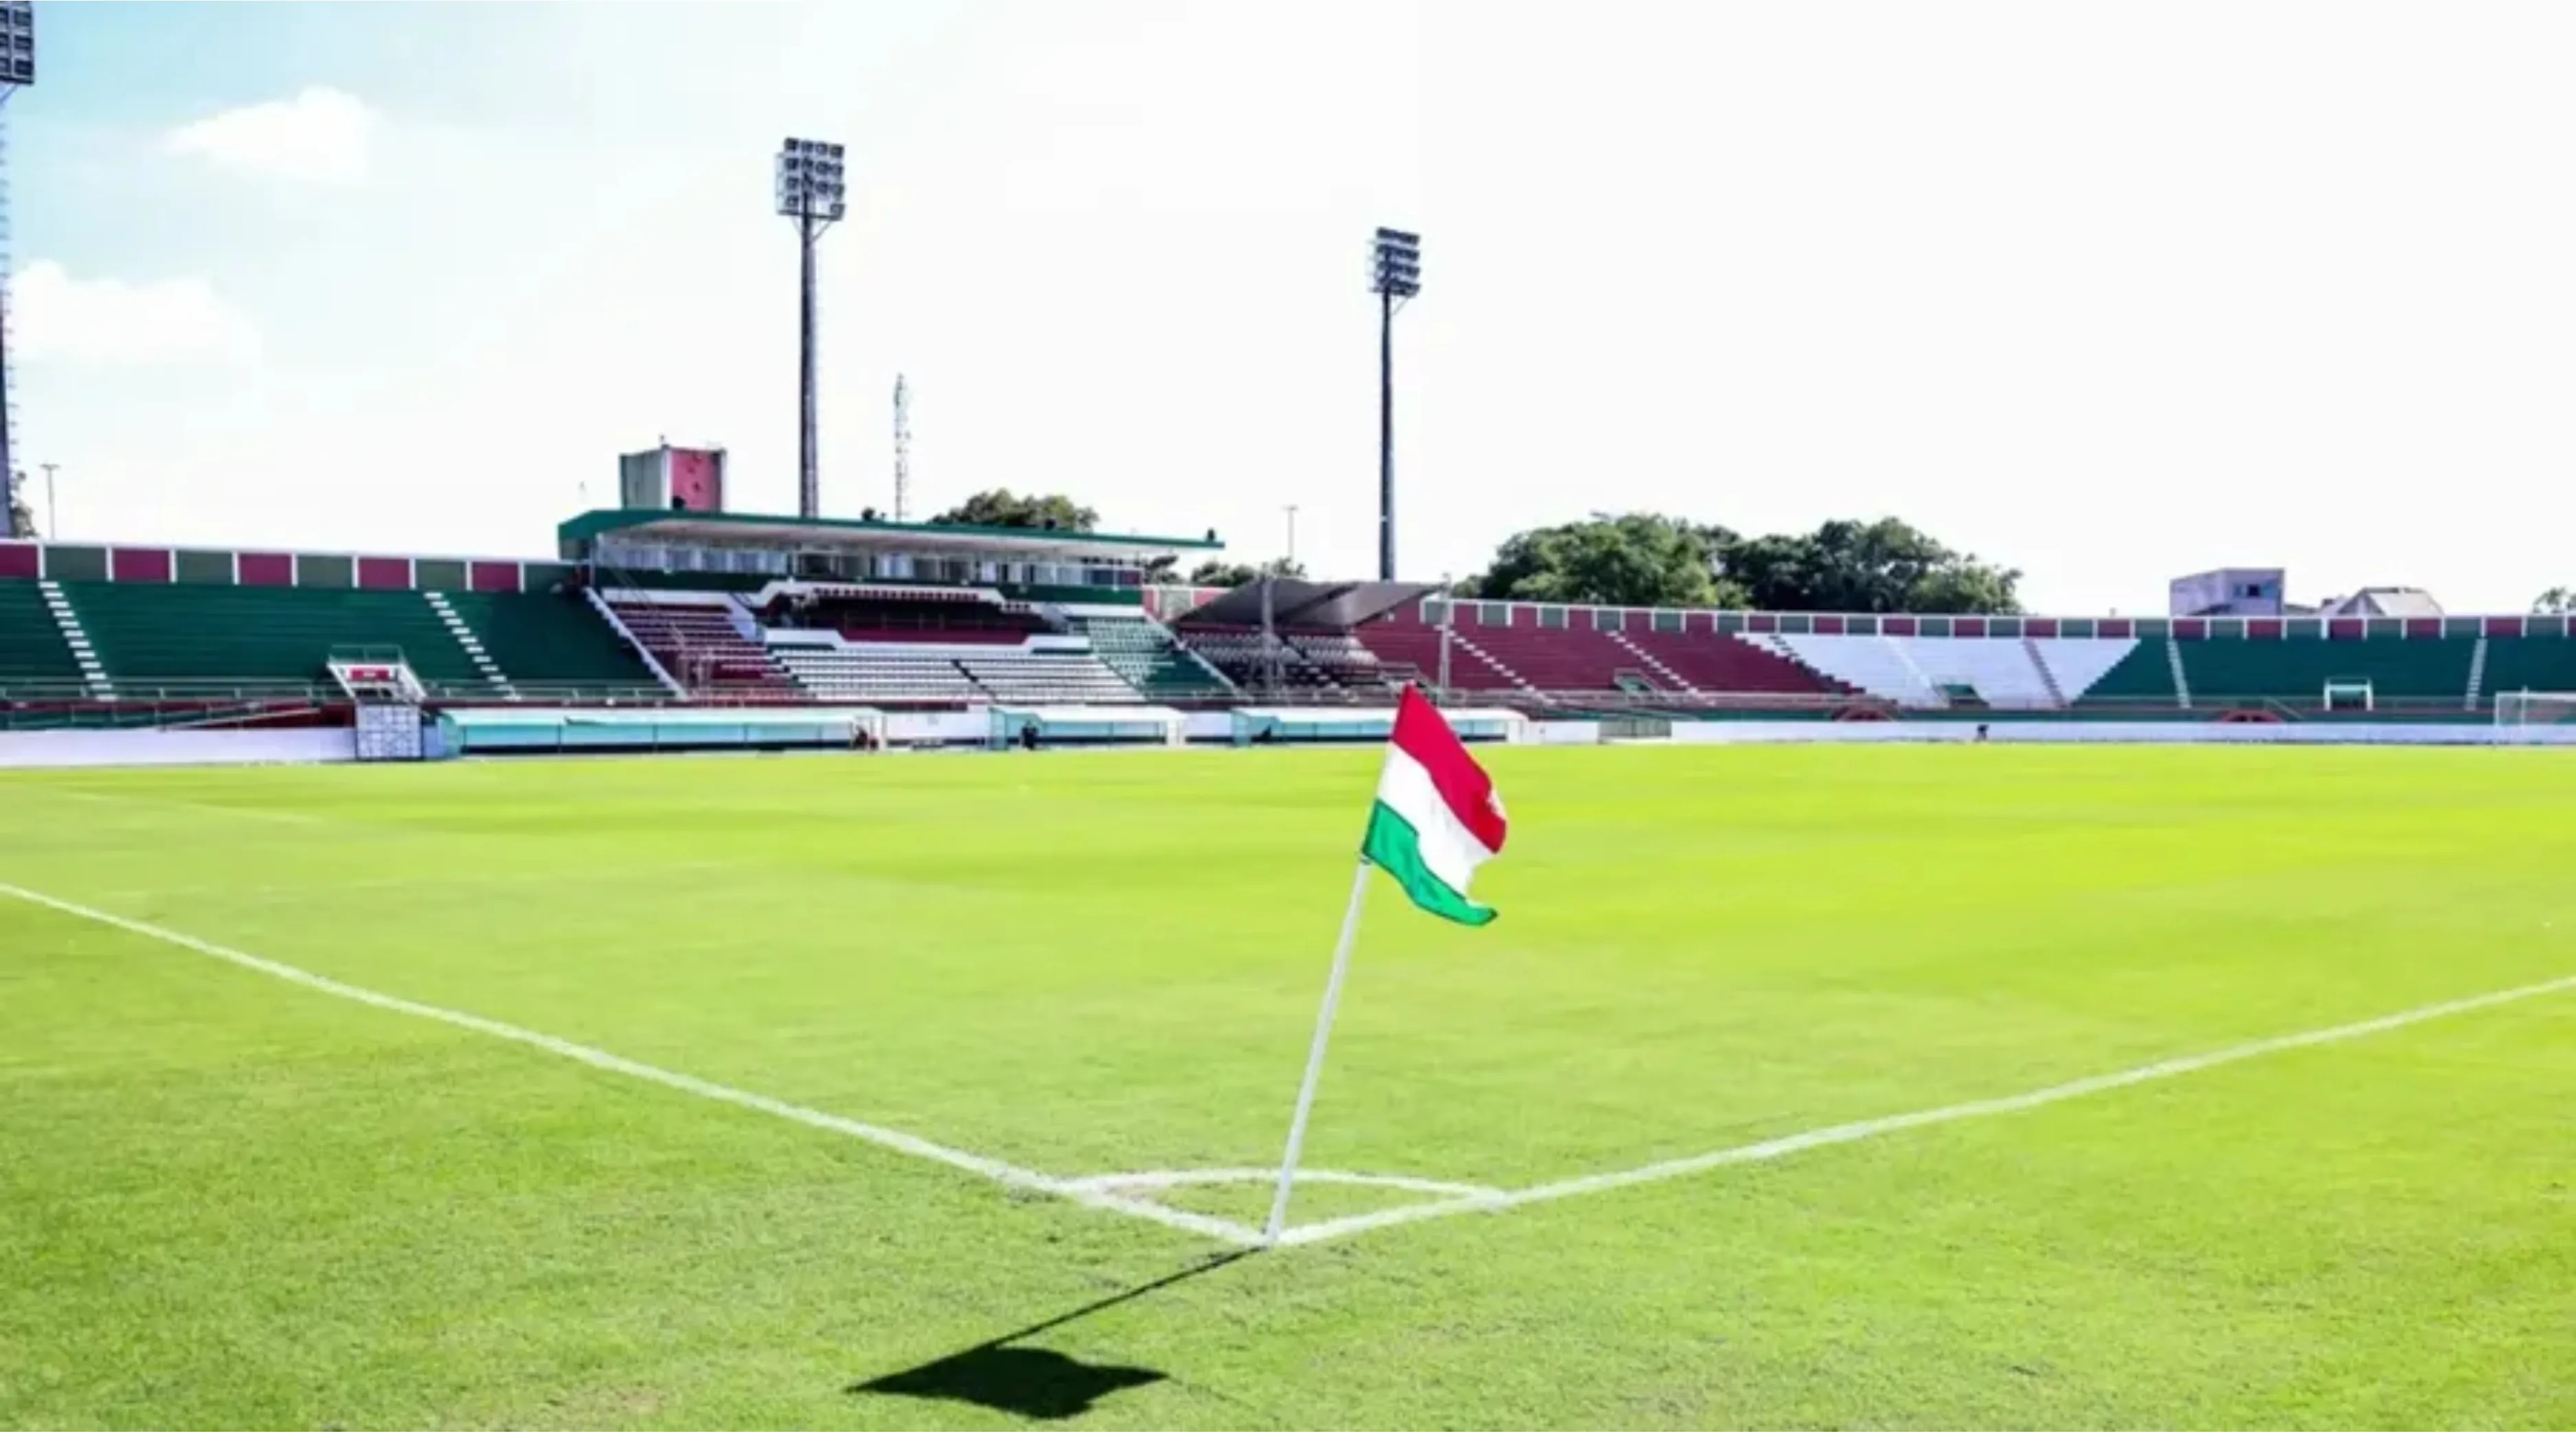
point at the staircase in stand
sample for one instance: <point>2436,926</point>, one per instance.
<point>1458,639</point>
<point>1672,679</point>
<point>67,621</point>
<point>2477,673</point>
<point>473,644</point>
<point>634,643</point>
<point>2047,678</point>
<point>2182,683</point>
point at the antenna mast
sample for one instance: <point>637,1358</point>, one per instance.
<point>902,449</point>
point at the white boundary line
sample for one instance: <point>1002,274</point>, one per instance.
<point>1007,1175</point>
<point>1770,1149</point>
<point>1096,1192</point>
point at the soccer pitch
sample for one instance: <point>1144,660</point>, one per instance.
<point>1953,1086</point>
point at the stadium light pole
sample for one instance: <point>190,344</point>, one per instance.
<point>17,71</point>
<point>813,193</point>
<point>53,514</point>
<point>1291,510</point>
<point>1395,276</point>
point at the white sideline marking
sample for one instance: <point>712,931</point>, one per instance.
<point>1454,1198</point>
<point>1896,1123</point>
<point>1007,1175</point>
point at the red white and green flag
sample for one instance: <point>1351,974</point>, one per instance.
<point>1437,817</point>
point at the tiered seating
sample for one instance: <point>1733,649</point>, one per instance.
<point>1400,641</point>
<point>1718,662</point>
<point>2080,662</point>
<point>1927,671</point>
<point>2144,677</point>
<point>1240,655</point>
<point>2525,663</point>
<point>1874,664</point>
<point>2297,671</point>
<point>878,674</point>
<point>1147,657</point>
<point>1340,656</point>
<point>698,645</point>
<point>147,632</point>
<point>1047,678</point>
<point>549,639</point>
<point>31,646</point>
<point>949,620</point>
<point>1570,658</point>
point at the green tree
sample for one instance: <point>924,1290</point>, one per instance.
<point>1650,561</point>
<point>22,521</point>
<point>1882,566</point>
<point>2556,601</point>
<point>1002,507</point>
<point>1636,560</point>
<point>1235,574</point>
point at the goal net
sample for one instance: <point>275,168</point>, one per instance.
<point>2535,708</point>
<point>2349,696</point>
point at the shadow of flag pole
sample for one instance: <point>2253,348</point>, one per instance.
<point>1315,1056</point>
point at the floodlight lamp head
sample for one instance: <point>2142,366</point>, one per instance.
<point>811,180</point>
<point>17,42</point>
<point>1396,263</point>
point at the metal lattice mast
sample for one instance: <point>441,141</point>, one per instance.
<point>902,449</point>
<point>17,70</point>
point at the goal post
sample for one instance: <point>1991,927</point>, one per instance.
<point>2535,708</point>
<point>2349,696</point>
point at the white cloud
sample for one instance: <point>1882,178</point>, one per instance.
<point>106,322</point>
<point>320,136</point>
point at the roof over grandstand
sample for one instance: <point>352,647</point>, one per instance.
<point>744,529</point>
<point>1294,602</point>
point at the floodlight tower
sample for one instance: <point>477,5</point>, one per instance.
<point>1395,276</point>
<point>17,71</point>
<point>812,192</point>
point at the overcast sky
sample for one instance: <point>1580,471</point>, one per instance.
<point>2110,292</point>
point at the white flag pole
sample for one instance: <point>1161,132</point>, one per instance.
<point>1315,1055</point>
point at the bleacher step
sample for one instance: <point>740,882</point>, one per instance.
<point>1661,671</point>
<point>2477,673</point>
<point>2182,683</point>
<point>67,623</point>
<point>472,644</point>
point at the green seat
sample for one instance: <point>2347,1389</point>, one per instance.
<point>151,632</point>
<point>2528,663</point>
<point>2142,678</point>
<point>31,646</point>
<point>1145,656</point>
<point>540,638</point>
<point>2424,670</point>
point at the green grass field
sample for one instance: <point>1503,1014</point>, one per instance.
<point>229,1199</point>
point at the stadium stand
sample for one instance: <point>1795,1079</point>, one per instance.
<point>31,645</point>
<point>1143,653</point>
<point>697,642</point>
<point>2295,671</point>
<point>1241,657</point>
<point>549,639</point>
<point>2143,677</point>
<point>2077,664</point>
<point>1048,678</point>
<point>2526,663</point>
<point>147,631</point>
<point>1709,662</point>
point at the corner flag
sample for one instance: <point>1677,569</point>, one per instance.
<point>1436,819</point>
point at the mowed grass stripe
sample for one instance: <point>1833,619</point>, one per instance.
<point>1090,966</point>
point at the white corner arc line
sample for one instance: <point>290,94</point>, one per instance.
<point>1770,1149</point>
<point>1007,1175</point>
